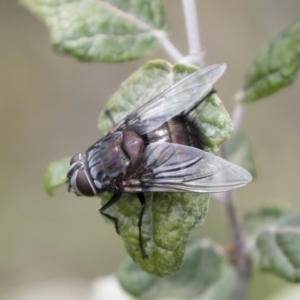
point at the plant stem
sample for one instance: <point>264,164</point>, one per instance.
<point>242,259</point>
<point>237,116</point>
<point>193,35</point>
<point>170,48</point>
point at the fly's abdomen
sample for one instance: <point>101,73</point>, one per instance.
<point>181,130</point>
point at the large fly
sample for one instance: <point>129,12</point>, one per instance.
<point>157,148</point>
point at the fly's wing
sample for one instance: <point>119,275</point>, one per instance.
<point>167,167</point>
<point>175,99</point>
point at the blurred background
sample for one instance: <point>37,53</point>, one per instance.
<point>49,107</point>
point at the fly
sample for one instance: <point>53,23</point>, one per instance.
<point>157,148</point>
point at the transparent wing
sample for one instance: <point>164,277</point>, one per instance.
<point>175,99</point>
<point>167,167</point>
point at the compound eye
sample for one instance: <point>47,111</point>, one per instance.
<point>84,185</point>
<point>75,158</point>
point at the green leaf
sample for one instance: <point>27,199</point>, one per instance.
<point>278,247</point>
<point>55,175</point>
<point>275,66</point>
<point>169,217</point>
<point>106,31</point>
<point>255,221</point>
<point>168,221</point>
<point>204,276</point>
<point>239,151</point>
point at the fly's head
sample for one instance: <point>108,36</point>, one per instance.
<point>78,178</point>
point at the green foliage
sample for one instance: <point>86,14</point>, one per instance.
<point>275,66</point>
<point>203,275</point>
<point>239,151</point>
<point>169,217</point>
<point>278,246</point>
<point>55,175</point>
<point>117,31</point>
<point>107,31</point>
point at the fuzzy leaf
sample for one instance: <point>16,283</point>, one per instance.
<point>239,151</point>
<point>275,66</point>
<point>168,221</point>
<point>107,31</point>
<point>169,217</point>
<point>203,275</point>
<point>278,246</point>
<point>55,175</point>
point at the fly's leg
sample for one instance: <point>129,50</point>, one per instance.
<point>197,103</point>
<point>140,223</point>
<point>110,117</point>
<point>111,202</point>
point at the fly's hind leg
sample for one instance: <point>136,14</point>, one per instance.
<point>197,103</point>
<point>111,202</point>
<point>140,223</point>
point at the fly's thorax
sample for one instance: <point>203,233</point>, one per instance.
<point>107,161</point>
<point>181,129</point>
<point>132,144</point>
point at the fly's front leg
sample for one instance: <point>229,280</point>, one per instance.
<point>111,202</point>
<point>110,117</point>
<point>140,223</point>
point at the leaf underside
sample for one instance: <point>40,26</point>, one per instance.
<point>104,31</point>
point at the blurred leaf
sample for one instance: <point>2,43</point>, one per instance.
<point>239,151</point>
<point>203,275</point>
<point>256,220</point>
<point>279,248</point>
<point>107,288</point>
<point>107,31</point>
<point>169,217</point>
<point>55,175</point>
<point>222,288</point>
<point>288,293</point>
<point>275,66</point>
